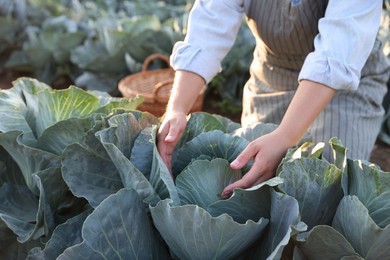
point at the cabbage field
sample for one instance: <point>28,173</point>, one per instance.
<point>81,177</point>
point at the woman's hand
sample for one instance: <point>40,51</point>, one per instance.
<point>186,88</point>
<point>267,152</point>
<point>169,135</point>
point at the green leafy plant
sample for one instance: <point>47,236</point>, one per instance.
<point>81,177</point>
<point>360,227</point>
<point>75,41</point>
<point>37,124</point>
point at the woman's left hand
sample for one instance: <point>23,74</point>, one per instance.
<point>267,152</point>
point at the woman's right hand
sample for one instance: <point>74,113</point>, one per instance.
<point>186,87</point>
<point>169,134</point>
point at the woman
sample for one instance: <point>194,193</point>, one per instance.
<point>317,67</point>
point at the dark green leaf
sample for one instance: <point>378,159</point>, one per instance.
<point>372,187</point>
<point>215,144</point>
<point>89,175</point>
<point>118,229</point>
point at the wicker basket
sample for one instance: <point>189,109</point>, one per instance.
<point>155,86</point>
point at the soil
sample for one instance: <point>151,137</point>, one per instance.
<point>6,79</point>
<point>380,155</point>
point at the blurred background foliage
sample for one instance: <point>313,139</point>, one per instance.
<point>94,44</point>
<point>91,43</point>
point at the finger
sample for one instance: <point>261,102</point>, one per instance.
<point>168,161</point>
<point>254,176</point>
<point>245,182</point>
<point>166,154</point>
<point>163,147</point>
<point>165,150</point>
<point>245,156</point>
<point>228,191</point>
<point>173,135</point>
<point>166,144</point>
<point>162,132</point>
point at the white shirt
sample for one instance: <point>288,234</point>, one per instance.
<point>346,37</point>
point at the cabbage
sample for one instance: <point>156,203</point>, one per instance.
<point>81,177</point>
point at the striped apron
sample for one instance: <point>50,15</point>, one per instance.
<point>284,32</point>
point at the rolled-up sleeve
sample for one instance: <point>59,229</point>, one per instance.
<point>346,37</point>
<point>212,29</point>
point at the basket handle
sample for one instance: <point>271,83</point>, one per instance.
<point>152,57</point>
<point>160,85</point>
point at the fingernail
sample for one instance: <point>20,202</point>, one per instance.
<point>226,194</point>
<point>235,163</point>
<point>169,138</point>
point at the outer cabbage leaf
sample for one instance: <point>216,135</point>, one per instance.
<point>89,158</point>
<point>206,227</point>
<point>192,233</point>
<point>198,123</point>
<point>31,107</point>
<point>372,187</point>
<point>111,104</point>
<point>124,129</point>
<point>30,216</point>
<point>18,108</point>
<point>111,167</point>
<point>119,140</point>
<point>315,183</point>
<point>39,186</point>
<point>255,131</point>
<point>20,209</point>
<point>202,182</point>
<point>90,174</point>
<point>30,160</point>
<point>12,111</point>
<point>142,152</point>
<point>55,138</point>
<point>9,170</point>
<point>354,222</point>
<point>353,232</point>
<point>130,176</point>
<point>323,243</point>
<point>246,204</point>
<point>58,105</point>
<point>11,248</point>
<point>65,235</point>
<point>99,166</point>
<point>119,228</point>
<point>284,224</point>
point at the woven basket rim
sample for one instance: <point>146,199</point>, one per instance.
<point>145,82</point>
<point>154,85</point>
<point>134,84</point>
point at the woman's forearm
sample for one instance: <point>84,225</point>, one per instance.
<point>309,100</point>
<point>186,88</point>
